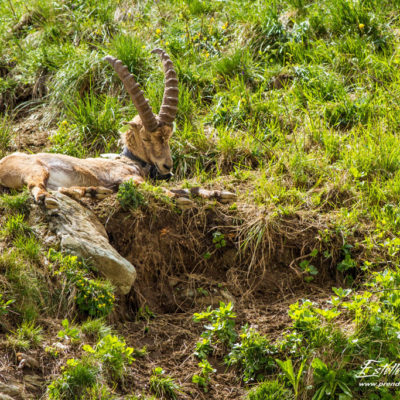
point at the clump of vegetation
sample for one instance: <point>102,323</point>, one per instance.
<point>27,285</point>
<point>129,196</point>
<point>105,362</point>
<point>93,296</point>
<point>96,328</point>
<point>69,333</point>
<point>269,390</point>
<point>254,354</point>
<point>78,377</point>
<point>16,202</point>
<point>94,122</point>
<point>203,378</point>
<point>113,354</point>
<point>163,385</point>
<point>15,225</point>
<point>220,331</point>
<point>28,246</point>
<point>28,335</point>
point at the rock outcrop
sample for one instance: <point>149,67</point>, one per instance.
<point>11,391</point>
<point>82,234</point>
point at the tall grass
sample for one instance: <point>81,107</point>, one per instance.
<point>5,134</point>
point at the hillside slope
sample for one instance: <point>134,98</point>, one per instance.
<point>293,105</point>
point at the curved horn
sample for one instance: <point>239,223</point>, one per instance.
<point>169,104</point>
<point>132,87</point>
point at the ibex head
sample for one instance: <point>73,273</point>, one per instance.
<point>148,138</point>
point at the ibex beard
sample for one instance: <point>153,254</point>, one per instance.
<point>146,153</point>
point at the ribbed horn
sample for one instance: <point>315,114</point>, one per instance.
<point>132,87</point>
<point>169,104</point>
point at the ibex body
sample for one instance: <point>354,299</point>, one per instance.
<point>146,153</point>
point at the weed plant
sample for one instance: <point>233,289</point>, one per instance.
<point>28,335</point>
<point>92,374</point>
<point>78,377</point>
<point>94,297</point>
<point>254,354</point>
<point>163,385</point>
<point>114,355</point>
<point>270,390</point>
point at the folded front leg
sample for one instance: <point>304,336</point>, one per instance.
<point>182,195</point>
<point>77,192</point>
<point>221,195</point>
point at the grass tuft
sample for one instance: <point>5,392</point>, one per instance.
<point>28,335</point>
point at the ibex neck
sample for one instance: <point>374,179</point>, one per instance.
<point>152,170</point>
<point>127,153</point>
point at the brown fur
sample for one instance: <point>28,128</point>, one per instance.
<point>152,147</point>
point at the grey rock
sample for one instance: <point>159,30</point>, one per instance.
<point>6,397</point>
<point>11,391</point>
<point>33,382</point>
<point>82,234</point>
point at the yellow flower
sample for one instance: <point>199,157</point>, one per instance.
<point>361,26</point>
<point>158,31</point>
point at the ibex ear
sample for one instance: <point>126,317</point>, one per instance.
<point>131,123</point>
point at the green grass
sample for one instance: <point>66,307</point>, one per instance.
<point>163,385</point>
<point>5,134</point>
<point>96,328</point>
<point>27,284</point>
<point>15,203</point>
<point>15,225</point>
<point>79,377</point>
<point>29,246</point>
<point>269,390</point>
<point>28,335</point>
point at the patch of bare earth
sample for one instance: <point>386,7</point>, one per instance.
<point>29,135</point>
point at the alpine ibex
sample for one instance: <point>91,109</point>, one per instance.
<point>146,153</point>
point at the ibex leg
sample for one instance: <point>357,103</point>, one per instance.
<point>221,195</point>
<point>77,192</point>
<point>18,170</point>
